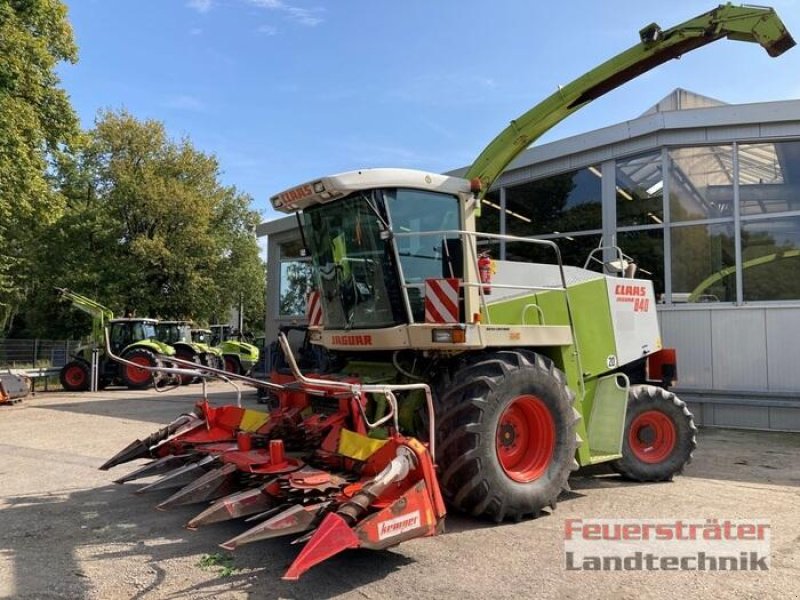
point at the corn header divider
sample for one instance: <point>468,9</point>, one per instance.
<point>349,489</point>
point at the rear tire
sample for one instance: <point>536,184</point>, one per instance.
<point>75,376</point>
<point>505,435</point>
<point>660,435</point>
<point>183,355</point>
<point>134,378</point>
<point>232,364</point>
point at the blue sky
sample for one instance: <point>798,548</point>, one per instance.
<point>283,91</point>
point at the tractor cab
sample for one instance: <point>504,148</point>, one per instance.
<point>124,332</point>
<point>173,332</point>
<point>202,336</point>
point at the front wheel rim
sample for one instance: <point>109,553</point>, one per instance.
<point>137,375</point>
<point>652,436</point>
<point>526,439</point>
<point>75,376</point>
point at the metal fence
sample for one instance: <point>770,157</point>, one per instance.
<point>33,354</point>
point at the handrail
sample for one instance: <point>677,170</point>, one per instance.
<point>473,257</point>
<point>356,389</point>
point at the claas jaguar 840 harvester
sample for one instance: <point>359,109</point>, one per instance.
<point>450,379</point>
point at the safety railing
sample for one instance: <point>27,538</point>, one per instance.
<point>469,242</point>
<point>622,264</point>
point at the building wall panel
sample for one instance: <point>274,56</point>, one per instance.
<point>690,333</point>
<point>783,349</point>
<point>739,349</point>
<point>750,417</point>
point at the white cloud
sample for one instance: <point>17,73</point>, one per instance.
<point>272,4</point>
<point>185,102</point>
<point>201,6</point>
<point>267,30</point>
<point>305,16</point>
<point>309,17</point>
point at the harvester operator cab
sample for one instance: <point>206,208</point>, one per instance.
<point>373,248</point>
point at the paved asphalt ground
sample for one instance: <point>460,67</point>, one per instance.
<point>66,531</point>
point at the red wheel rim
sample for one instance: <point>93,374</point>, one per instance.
<point>230,365</point>
<point>75,376</point>
<point>526,439</point>
<point>652,436</point>
<point>136,375</point>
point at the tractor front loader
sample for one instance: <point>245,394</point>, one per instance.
<point>132,338</point>
<point>448,378</point>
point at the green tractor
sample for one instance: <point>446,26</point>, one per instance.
<point>202,338</point>
<point>178,334</point>
<point>239,356</point>
<point>134,339</point>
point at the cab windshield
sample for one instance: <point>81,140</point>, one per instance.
<point>172,333</point>
<point>356,261</point>
<point>144,331</point>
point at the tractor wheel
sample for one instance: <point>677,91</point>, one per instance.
<point>184,355</point>
<point>660,435</point>
<point>232,364</point>
<point>505,436</point>
<point>75,376</point>
<point>133,377</point>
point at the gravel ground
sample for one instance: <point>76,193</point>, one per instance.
<point>66,531</point>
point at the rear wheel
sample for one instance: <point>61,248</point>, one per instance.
<point>134,377</point>
<point>506,435</point>
<point>185,355</point>
<point>232,364</point>
<point>660,435</point>
<point>74,376</point>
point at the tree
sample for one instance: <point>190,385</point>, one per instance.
<point>36,124</point>
<point>148,226</point>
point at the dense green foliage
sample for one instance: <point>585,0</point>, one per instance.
<point>147,227</point>
<point>36,124</point>
<point>120,213</point>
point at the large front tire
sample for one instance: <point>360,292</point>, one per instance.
<point>74,376</point>
<point>137,378</point>
<point>506,436</point>
<point>660,435</point>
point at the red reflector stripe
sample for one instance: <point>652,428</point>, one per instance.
<point>441,301</point>
<point>314,309</point>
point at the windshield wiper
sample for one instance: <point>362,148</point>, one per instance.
<point>369,201</point>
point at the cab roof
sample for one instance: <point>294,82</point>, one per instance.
<point>134,320</point>
<point>326,189</point>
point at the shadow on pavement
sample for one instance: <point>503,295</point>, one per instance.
<point>60,545</point>
<point>144,405</point>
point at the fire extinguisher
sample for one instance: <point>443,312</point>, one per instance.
<point>485,270</point>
